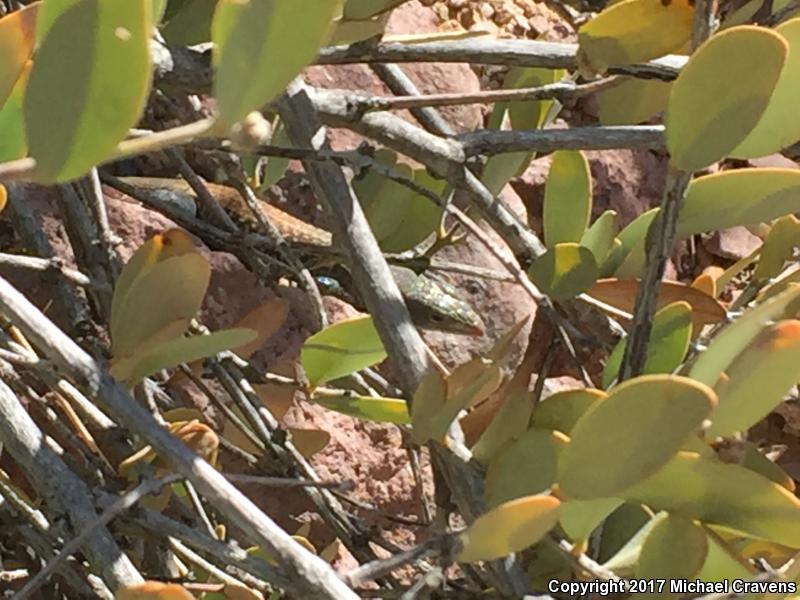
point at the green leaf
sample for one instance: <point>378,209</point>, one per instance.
<point>619,528</point>
<point>524,467</point>
<point>741,197</point>
<point>751,458</point>
<point>567,198</point>
<point>178,351</point>
<point>579,518</point>
<point>364,9</point>
<point>675,548</point>
<point>12,124</point>
<point>500,169</point>
<point>758,379</point>
<point>16,44</point>
<point>630,434</point>
<point>779,126</point>
<point>634,31</point>
<point>381,410</point>
<point>599,238</point>
<point>399,217</point>
<point>276,167</point>
<point>722,494</point>
<point>633,101</point>
<point>624,560</point>
<point>669,341</point>
<point>722,564</point>
<point>732,340</point>
<point>50,11</point>
<point>86,91</point>
<point>190,23</point>
<point>778,247</point>
<point>565,271</point>
<point>429,398</point>
<point>510,527</point>
<point>341,349</point>
<point>262,46</point>
<point>563,409</point>
<point>160,303</point>
<point>721,93</point>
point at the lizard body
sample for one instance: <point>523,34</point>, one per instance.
<point>432,305</point>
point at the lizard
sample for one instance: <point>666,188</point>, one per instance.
<point>432,304</point>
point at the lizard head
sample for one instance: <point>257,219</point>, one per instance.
<point>437,305</point>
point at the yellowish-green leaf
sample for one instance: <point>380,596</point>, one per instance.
<point>507,413</point>
<point>382,410</point>
<point>565,271</point>
<point>347,31</point>
<point>12,124</point>
<point>607,453</point>
<point>524,467</point>
<point>85,92</point>
<point>599,238</point>
<point>758,379</point>
<point>633,101</point>
<point>721,93</point>
<point>262,46</point>
<point>779,126</point>
<point>16,44</point>
<point>164,299</point>
<point>751,458</point>
<point>521,115</point>
<point>669,341</point>
<point>50,11</point>
<point>619,528</point>
<point>562,410</point>
<point>510,527</point>
<point>629,547</point>
<point>341,349</point>
<point>276,167</point>
<point>732,340</point>
<point>400,218</point>
<point>460,395</point>
<point>429,398</point>
<point>364,9</point>
<point>783,238</point>
<point>741,197</point>
<point>579,518</point>
<point>634,31</point>
<point>722,564</point>
<point>675,548</point>
<point>176,351</point>
<point>722,494</point>
<point>567,198</point>
<point>190,24</point>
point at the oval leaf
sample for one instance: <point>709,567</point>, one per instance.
<point>732,340</point>
<point>629,435</point>
<point>261,47</point>
<point>510,527</point>
<point>86,91</point>
<point>633,101</point>
<point>741,197</point>
<point>562,410</point>
<point>675,548</point>
<point>722,494</point>
<point>341,349</point>
<point>177,351</point>
<point>381,410</point>
<point>525,467</point>
<point>621,294</point>
<point>567,198</point>
<point>565,271</point>
<point>17,36</point>
<point>669,341</point>
<point>634,31</point>
<point>721,94</point>
<point>758,379</point>
<point>779,126</point>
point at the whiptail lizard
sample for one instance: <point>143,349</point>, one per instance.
<point>433,305</point>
